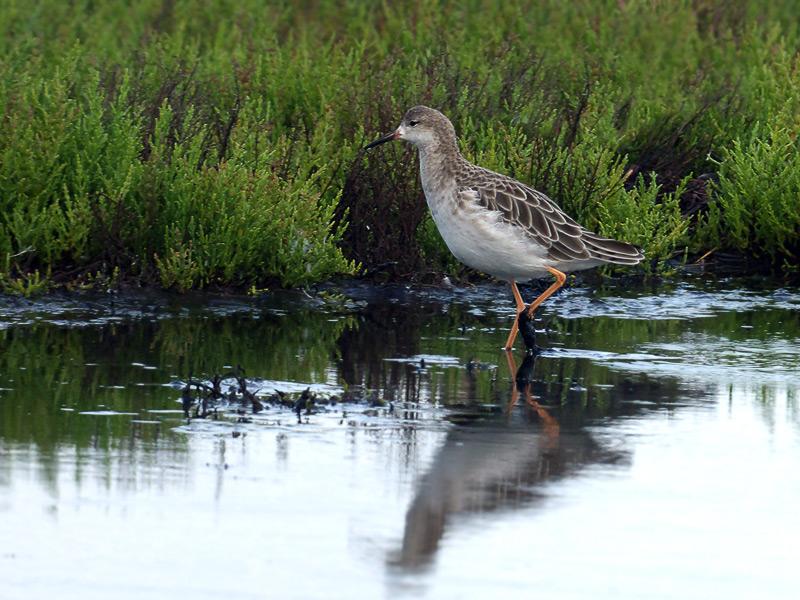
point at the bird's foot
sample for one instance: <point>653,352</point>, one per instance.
<point>527,331</point>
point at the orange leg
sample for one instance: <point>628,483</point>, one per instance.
<point>560,279</point>
<point>515,327</point>
<point>551,427</point>
<point>512,369</point>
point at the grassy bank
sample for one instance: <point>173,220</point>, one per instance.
<point>189,144</point>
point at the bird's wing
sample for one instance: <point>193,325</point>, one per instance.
<point>542,219</point>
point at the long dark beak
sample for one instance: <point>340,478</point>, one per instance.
<point>383,140</point>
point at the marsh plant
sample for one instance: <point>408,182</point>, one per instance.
<point>189,145</point>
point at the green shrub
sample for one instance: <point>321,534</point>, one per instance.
<point>756,206</point>
<point>188,146</point>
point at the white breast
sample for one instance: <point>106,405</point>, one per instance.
<point>480,239</point>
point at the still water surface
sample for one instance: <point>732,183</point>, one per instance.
<point>657,458</point>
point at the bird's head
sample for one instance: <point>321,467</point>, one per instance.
<point>422,126</point>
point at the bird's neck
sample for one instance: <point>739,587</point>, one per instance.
<point>438,165</point>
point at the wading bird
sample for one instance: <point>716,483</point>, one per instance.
<point>496,224</point>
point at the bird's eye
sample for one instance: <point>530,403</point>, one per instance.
<point>413,123</point>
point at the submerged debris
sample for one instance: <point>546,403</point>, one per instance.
<point>208,397</point>
<point>304,402</point>
<point>204,399</point>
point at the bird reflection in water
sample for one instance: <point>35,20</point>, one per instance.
<point>523,380</point>
<point>491,462</point>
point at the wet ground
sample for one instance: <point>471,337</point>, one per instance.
<point>650,451</point>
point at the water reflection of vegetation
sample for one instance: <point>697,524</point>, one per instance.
<point>295,347</point>
<point>123,366</point>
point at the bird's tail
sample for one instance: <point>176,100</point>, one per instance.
<point>612,251</point>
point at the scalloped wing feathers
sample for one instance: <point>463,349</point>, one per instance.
<point>541,218</point>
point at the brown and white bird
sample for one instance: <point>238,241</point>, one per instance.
<point>495,224</point>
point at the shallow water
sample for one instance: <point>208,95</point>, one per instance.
<point>653,453</point>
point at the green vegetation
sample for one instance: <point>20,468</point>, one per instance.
<point>758,207</point>
<point>188,144</point>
